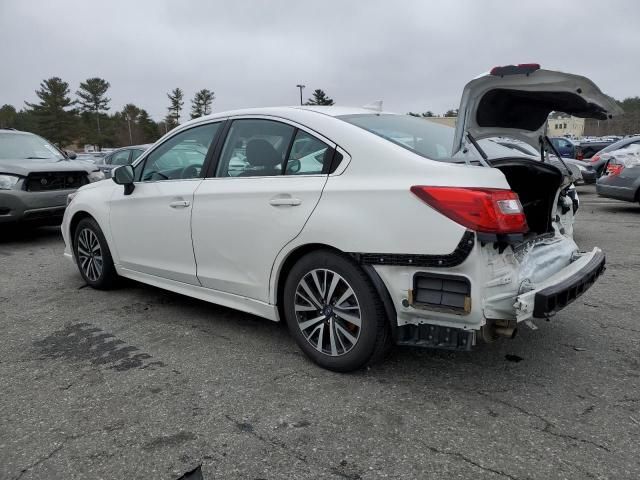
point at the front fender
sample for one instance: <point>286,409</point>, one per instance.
<point>95,203</point>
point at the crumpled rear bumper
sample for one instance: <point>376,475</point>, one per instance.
<point>562,288</point>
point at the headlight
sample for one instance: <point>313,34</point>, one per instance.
<point>70,197</point>
<point>96,176</point>
<point>8,181</point>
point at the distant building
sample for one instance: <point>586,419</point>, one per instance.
<point>563,125</point>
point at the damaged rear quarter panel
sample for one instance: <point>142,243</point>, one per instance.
<point>518,270</point>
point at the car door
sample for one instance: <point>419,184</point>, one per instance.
<point>151,227</point>
<point>269,178</point>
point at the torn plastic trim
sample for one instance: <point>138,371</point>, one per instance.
<point>459,255</point>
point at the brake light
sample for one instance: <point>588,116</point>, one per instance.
<point>520,69</point>
<point>614,169</point>
<point>488,210</point>
<point>595,158</point>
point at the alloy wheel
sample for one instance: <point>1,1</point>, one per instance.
<point>90,254</point>
<point>328,312</point>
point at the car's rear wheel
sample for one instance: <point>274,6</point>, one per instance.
<point>93,256</point>
<point>334,312</point>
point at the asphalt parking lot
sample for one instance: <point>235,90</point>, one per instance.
<point>142,383</point>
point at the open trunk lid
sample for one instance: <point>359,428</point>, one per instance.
<point>515,101</point>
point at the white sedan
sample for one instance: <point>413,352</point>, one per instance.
<point>359,228</point>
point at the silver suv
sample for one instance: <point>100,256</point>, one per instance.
<point>36,177</point>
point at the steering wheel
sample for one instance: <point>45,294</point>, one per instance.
<point>190,171</point>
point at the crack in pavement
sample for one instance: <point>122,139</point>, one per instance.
<point>468,460</point>
<point>64,441</point>
<point>248,428</point>
<point>610,325</point>
<point>548,425</point>
<point>41,460</point>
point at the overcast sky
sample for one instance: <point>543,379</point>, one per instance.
<point>414,55</point>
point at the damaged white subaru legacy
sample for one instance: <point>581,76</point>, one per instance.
<point>359,228</point>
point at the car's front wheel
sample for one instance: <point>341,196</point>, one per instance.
<point>334,312</point>
<point>93,256</point>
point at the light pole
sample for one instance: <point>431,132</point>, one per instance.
<point>300,86</point>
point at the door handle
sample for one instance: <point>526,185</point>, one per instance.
<point>285,202</point>
<point>180,204</point>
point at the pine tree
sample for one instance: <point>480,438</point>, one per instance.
<point>7,116</point>
<point>201,103</point>
<point>54,120</point>
<point>175,107</point>
<point>130,114</point>
<point>92,98</point>
<point>319,98</point>
<point>148,127</point>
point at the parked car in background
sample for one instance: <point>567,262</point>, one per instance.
<point>587,149</point>
<point>226,210</point>
<point>598,161</point>
<point>565,147</point>
<point>89,157</point>
<point>621,176</point>
<point>120,156</point>
<point>36,178</point>
<point>586,174</point>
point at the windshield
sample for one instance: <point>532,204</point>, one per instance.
<point>421,136</point>
<point>26,146</point>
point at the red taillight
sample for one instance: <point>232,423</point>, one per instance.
<point>595,158</point>
<point>614,169</point>
<point>519,69</point>
<point>488,210</point>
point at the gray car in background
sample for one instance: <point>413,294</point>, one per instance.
<point>599,161</point>
<point>36,177</point>
<point>621,176</point>
<point>121,156</point>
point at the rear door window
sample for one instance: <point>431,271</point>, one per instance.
<point>255,148</point>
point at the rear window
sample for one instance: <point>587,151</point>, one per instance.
<point>421,136</point>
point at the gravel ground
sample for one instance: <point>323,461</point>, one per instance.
<point>142,383</point>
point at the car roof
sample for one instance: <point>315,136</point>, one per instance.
<point>143,146</point>
<point>13,130</point>
<point>621,143</point>
<point>288,112</point>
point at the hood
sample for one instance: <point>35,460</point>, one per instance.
<point>515,101</point>
<point>25,167</point>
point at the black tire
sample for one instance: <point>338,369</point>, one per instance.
<point>107,277</point>
<point>373,339</point>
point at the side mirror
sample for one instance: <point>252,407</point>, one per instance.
<point>124,175</point>
<point>71,155</point>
